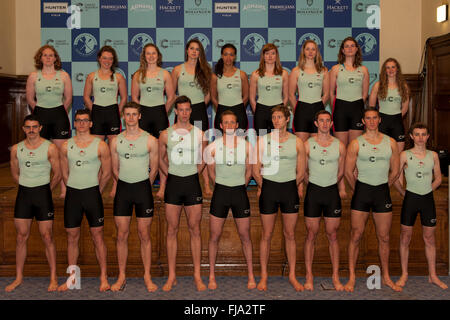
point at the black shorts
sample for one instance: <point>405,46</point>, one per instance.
<point>105,120</point>
<point>348,115</point>
<point>239,110</point>
<point>154,119</point>
<point>367,197</point>
<point>55,122</point>
<point>263,118</point>
<point>34,202</point>
<point>225,198</point>
<point>279,194</point>
<point>183,190</point>
<point>392,125</point>
<point>304,116</point>
<point>138,194</point>
<point>414,203</point>
<point>79,201</point>
<point>324,200</point>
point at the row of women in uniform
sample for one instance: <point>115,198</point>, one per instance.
<point>307,89</point>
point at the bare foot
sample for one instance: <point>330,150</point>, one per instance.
<point>388,282</point>
<point>297,285</point>
<point>104,285</point>
<point>402,281</point>
<point>337,284</point>
<point>251,283</point>
<point>437,282</point>
<point>53,286</point>
<point>151,286</point>
<point>120,284</point>
<point>212,285</point>
<point>63,287</point>
<point>262,285</point>
<point>13,285</point>
<point>309,284</point>
<point>199,284</point>
<point>169,284</point>
<point>350,285</point>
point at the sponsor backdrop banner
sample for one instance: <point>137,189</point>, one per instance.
<point>78,28</point>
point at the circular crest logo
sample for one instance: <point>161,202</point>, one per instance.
<point>309,36</point>
<point>253,44</point>
<point>202,38</point>
<point>367,42</point>
<point>85,44</point>
<point>139,41</point>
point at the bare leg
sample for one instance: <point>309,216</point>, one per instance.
<point>23,228</point>
<point>289,223</point>
<point>45,229</point>
<point>383,223</point>
<point>343,136</point>
<point>243,228</point>
<point>73,237</point>
<point>194,218</point>
<point>302,135</point>
<point>215,231</point>
<point>268,223</point>
<point>162,186</point>
<point>405,239</point>
<point>144,225</point>
<point>358,221</point>
<point>123,230</point>
<point>100,252</point>
<point>430,252</point>
<point>173,219</point>
<point>312,229</point>
<point>331,228</point>
<point>58,143</point>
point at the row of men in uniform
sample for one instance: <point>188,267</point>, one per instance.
<point>279,162</point>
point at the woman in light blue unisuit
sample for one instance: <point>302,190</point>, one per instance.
<point>392,93</point>
<point>105,85</point>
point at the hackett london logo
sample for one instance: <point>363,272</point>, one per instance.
<point>337,7</point>
<point>170,7</point>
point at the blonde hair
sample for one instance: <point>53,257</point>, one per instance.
<point>318,62</point>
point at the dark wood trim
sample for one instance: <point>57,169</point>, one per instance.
<point>415,113</point>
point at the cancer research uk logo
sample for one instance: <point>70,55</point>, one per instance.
<point>139,41</point>
<point>309,36</point>
<point>253,44</point>
<point>85,44</point>
<point>202,38</point>
<point>367,42</point>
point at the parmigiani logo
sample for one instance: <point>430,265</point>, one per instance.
<point>55,7</point>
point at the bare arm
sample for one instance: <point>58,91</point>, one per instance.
<point>115,163</point>
<point>214,94</point>
<point>248,166</point>
<point>244,83</point>
<point>253,90</point>
<point>153,147</point>
<point>53,158</point>
<point>210,161</point>
<point>169,89</point>
<point>30,91</point>
<point>122,91</point>
<point>325,86</point>
<point>14,164</point>
<point>105,159</point>
<point>350,163</point>
<point>258,165</point>
<point>285,91</point>
<point>341,170</point>
<point>174,76</point>
<point>301,161</point>
<point>374,94</point>
<point>333,77</point>
<point>436,172</point>
<point>394,163</point>
<point>366,83</point>
<point>163,158</point>
<point>88,91</point>
<point>293,77</point>
<point>135,90</point>
<point>68,91</point>
<point>398,184</point>
<point>64,163</point>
